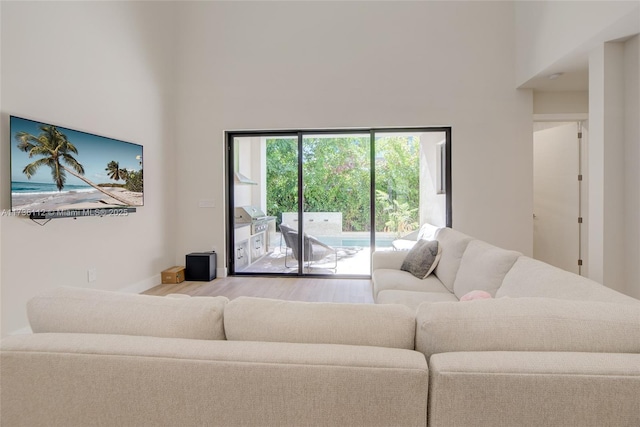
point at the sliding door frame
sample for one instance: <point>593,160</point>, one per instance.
<point>299,134</point>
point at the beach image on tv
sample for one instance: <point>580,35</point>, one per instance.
<point>56,169</point>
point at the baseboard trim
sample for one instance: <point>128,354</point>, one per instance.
<point>143,285</point>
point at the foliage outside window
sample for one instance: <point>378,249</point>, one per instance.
<point>337,179</point>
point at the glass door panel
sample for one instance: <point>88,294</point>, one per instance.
<point>282,159</point>
<point>263,167</point>
<point>336,220</point>
<point>410,185</point>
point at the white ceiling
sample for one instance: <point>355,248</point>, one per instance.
<point>574,69</point>
<point>576,80</point>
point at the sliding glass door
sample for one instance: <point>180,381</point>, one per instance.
<point>336,219</point>
<point>410,184</point>
<point>319,202</point>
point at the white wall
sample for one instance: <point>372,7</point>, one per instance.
<point>632,165</point>
<point>103,68</point>
<point>614,228</point>
<point>275,65</point>
<point>551,35</point>
<point>562,102</point>
<point>433,209</point>
<point>243,193</point>
<point>612,126</point>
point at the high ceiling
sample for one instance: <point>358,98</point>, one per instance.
<point>575,80</point>
<point>571,73</point>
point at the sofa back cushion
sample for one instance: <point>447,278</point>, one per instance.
<point>532,278</point>
<point>483,267</point>
<point>261,319</point>
<point>91,311</point>
<point>453,244</point>
<point>527,324</point>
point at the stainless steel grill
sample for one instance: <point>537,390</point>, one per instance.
<point>253,216</point>
<point>253,234</point>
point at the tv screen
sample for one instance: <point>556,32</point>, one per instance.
<point>56,169</point>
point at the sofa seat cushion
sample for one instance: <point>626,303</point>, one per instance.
<point>483,267</point>
<point>413,299</point>
<point>262,319</point>
<point>453,244</point>
<point>90,311</point>
<point>527,324</point>
<point>391,279</point>
<point>532,278</point>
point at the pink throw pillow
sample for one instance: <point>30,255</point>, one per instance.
<point>469,296</point>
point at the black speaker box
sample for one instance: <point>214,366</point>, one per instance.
<point>201,266</point>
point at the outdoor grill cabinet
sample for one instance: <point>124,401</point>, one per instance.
<point>201,266</point>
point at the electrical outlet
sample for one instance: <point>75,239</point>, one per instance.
<point>92,275</point>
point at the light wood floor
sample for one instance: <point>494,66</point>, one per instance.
<point>286,288</point>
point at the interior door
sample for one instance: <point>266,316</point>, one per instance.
<point>556,195</point>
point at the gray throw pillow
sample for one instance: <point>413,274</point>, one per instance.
<point>422,259</point>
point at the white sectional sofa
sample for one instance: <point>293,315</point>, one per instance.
<point>467,264</point>
<point>109,359</point>
<point>551,348</point>
<point>556,350</point>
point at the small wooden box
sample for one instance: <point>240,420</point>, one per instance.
<point>173,275</point>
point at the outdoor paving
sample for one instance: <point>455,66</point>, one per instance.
<point>352,260</point>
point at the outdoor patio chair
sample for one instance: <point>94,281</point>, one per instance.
<point>314,249</point>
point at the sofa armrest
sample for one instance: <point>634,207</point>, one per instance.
<point>534,388</point>
<point>387,259</point>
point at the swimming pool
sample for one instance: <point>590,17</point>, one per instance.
<point>384,242</point>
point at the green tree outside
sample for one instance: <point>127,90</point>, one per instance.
<point>337,179</point>
<point>397,184</point>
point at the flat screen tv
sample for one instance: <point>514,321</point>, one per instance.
<point>56,171</point>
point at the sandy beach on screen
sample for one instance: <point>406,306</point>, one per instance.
<point>92,199</point>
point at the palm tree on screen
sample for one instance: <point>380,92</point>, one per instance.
<point>114,171</point>
<point>55,149</point>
